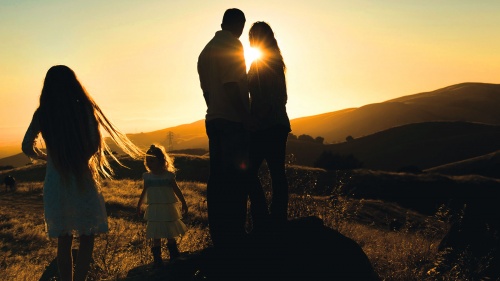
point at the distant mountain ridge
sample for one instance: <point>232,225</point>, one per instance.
<point>467,102</point>
<point>471,102</point>
<point>184,136</point>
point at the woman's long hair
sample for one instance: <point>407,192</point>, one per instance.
<point>262,37</point>
<point>70,121</point>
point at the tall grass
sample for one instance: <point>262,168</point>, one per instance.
<point>406,254</point>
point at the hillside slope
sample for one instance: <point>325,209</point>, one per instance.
<point>184,136</point>
<point>485,165</point>
<point>424,145</point>
<point>471,102</point>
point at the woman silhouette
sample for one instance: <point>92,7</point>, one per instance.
<point>267,85</point>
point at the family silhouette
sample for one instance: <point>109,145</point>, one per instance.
<point>246,123</point>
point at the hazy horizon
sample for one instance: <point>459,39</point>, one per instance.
<point>138,59</point>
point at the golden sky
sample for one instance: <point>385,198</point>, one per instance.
<point>138,58</point>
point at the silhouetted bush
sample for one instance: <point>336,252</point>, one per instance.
<point>292,136</point>
<point>335,161</point>
<point>305,137</point>
<point>349,139</point>
<point>319,140</point>
<point>8,167</point>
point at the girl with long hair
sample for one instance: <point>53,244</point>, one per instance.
<point>70,124</point>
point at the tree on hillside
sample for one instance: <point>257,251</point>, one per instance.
<point>335,161</point>
<point>305,137</point>
<point>292,136</point>
<point>349,138</point>
<point>319,140</point>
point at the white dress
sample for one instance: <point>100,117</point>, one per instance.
<point>162,213</point>
<point>68,209</point>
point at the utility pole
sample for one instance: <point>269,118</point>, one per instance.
<point>170,141</point>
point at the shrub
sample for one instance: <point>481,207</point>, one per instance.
<point>8,167</point>
<point>319,140</point>
<point>305,137</point>
<point>335,161</point>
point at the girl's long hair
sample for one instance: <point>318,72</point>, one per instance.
<point>70,124</point>
<point>262,37</point>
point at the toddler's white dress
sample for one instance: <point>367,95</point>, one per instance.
<point>68,209</point>
<point>162,213</point>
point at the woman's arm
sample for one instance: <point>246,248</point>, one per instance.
<point>29,141</point>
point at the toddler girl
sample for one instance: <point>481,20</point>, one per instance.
<point>161,193</point>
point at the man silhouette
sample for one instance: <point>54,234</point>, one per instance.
<point>222,73</point>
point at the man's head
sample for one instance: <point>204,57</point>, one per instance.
<point>233,21</point>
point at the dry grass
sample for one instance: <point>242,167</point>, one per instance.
<point>407,254</point>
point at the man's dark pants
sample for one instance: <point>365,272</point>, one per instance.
<point>227,187</point>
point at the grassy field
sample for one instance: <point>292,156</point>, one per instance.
<point>406,254</point>
<point>400,242</point>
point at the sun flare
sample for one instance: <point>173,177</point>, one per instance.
<point>251,54</point>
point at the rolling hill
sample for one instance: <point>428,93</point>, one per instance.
<point>9,149</point>
<point>16,160</point>
<point>184,136</point>
<point>485,165</point>
<point>472,102</point>
<point>467,102</point>
<point>424,145</point>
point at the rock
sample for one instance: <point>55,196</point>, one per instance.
<point>301,249</point>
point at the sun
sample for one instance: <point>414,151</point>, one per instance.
<point>251,54</point>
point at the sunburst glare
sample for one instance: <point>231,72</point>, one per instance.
<point>251,54</point>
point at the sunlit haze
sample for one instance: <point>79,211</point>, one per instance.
<point>251,54</point>
<point>138,58</point>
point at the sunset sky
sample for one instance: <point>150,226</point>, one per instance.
<point>138,58</point>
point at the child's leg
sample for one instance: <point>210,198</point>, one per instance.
<point>156,251</point>
<point>84,257</point>
<point>172,248</point>
<point>64,258</point>
<point>156,243</point>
